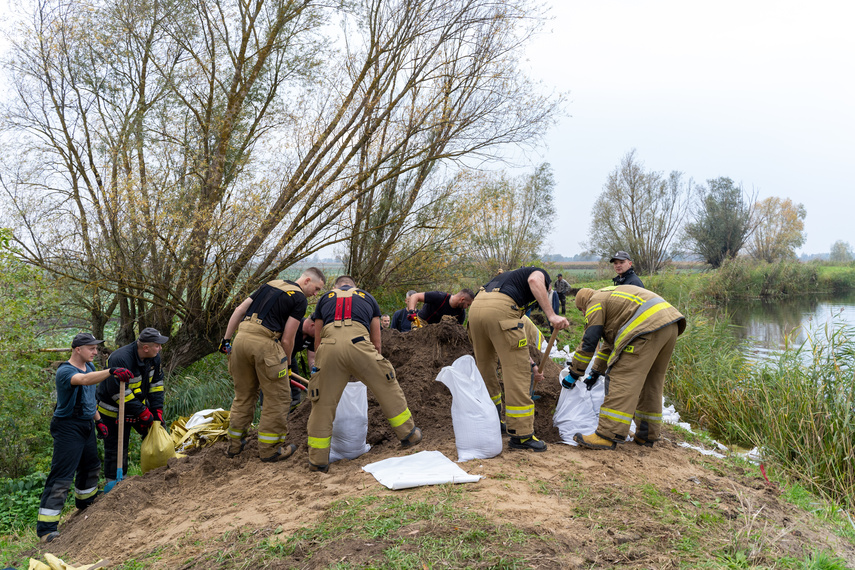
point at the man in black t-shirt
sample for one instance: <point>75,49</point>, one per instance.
<point>267,323</point>
<point>497,332</point>
<point>438,304</point>
<point>349,345</point>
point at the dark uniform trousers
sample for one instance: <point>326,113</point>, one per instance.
<point>258,361</point>
<point>347,351</point>
<point>634,386</point>
<point>497,332</point>
<point>75,449</point>
<point>111,445</point>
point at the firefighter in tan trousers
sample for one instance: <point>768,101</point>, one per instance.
<point>497,331</point>
<point>266,323</point>
<point>349,345</point>
<point>636,330</point>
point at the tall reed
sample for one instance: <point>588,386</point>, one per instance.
<point>204,385</point>
<point>799,409</point>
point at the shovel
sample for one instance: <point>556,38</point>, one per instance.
<point>548,350</point>
<point>110,484</point>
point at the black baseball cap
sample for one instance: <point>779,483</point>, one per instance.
<point>84,339</point>
<point>151,334</point>
<point>620,255</point>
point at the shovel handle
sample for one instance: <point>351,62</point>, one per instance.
<point>548,350</point>
<point>120,457</point>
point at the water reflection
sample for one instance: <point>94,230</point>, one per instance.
<point>770,326</point>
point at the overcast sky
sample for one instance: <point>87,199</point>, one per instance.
<point>760,91</point>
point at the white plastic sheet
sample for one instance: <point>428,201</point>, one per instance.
<point>350,427</point>
<point>477,430</point>
<point>422,468</point>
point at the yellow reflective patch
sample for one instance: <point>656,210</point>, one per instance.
<point>629,348</point>
<point>522,343</point>
<point>319,442</point>
<point>283,373</point>
<point>400,418</point>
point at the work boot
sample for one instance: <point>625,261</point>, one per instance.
<point>49,536</point>
<point>297,401</point>
<point>319,468</point>
<point>504,427</point>
<point>642,441</point>
<point>531,443</point>
<point>413,439</point>
<point>283,452</point>
<point>235,447</point>
<point>593,441</point>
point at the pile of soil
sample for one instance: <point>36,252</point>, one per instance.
<point>576,498</point>
<point>418,356</point>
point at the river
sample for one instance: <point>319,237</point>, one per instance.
<point>768,326</point>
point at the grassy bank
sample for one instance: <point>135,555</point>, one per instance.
<point>799,409</point>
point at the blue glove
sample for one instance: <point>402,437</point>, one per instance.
<point>569,381</point>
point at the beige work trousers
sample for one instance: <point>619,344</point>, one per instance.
<point>258,362</point>
<point>634,387</point>
<point>347,351</point>
<point>497,332</point>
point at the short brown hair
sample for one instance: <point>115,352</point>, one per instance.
<point>345,280</point>
<point>315,273</point>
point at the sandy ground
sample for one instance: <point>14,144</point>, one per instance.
<point>206,495</point>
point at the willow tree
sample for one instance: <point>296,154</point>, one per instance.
<point>639,211</point>
<point>513,219</point>
<point>173,154</point>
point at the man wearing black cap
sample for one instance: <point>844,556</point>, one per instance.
<point>74,433</point>
<point>143,395</point>
<point>622,263</point>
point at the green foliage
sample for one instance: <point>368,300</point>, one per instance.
<point>19,501</point>
<point>205,384</point>
<point>721,223</point>
<point>743,278</point>
<point>841,252</point>
<point>800,409</point>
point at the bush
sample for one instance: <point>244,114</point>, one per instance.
<point>742,278</point>
<point>20,501</point>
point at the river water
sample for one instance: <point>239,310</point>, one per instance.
<point>766,327</point>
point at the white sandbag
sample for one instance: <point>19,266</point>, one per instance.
<point>477,430</point>
<point>350,427</point>
<point>578,410</point>
<point>422,468</point>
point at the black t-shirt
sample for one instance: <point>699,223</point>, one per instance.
<point>514,284</point>
<point>274,306</point>
<point>438,304</point>
<point>301,342</point>
<point>363,307</point>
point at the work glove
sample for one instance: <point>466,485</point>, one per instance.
<point>101,428</point>
<point>225,346</point>
<point>122,374</point>
<point>144,419</point>
<point>569,381</point>
<point>412,315</point>
<point>591,379</point>
<point>314,369</point>
<point>158,415</point>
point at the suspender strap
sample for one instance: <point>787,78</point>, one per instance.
<point>343,307</point>
<point>259,309</point>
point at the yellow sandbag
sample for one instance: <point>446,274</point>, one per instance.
<point>157,448</point>
<point>207,428</point>
<point>55,563</point>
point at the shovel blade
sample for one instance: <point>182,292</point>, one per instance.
<point>110,484</point>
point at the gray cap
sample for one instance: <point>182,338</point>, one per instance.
<point>150,334</point>
<point>84,339</point>
<point>620,255</point>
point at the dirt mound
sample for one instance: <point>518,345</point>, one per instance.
<point>418,356</point>
<point>592,507</point>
